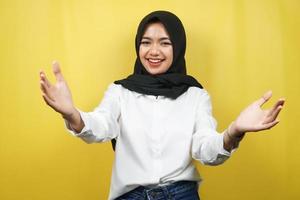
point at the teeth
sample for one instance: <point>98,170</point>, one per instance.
<point>154,60</point>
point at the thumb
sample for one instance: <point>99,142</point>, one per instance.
<point>265,98</point>
<point>57,71</point>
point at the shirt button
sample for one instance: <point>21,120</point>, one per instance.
<point>156,152</point>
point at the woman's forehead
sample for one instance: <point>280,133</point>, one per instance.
<point>156,29</point>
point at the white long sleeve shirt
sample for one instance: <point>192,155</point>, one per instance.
<point>157,137</point>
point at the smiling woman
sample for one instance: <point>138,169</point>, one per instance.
<point>159,117</point>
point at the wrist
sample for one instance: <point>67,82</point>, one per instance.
<point>232,137</point>
<point>233,131</point>
<point>70,116</point>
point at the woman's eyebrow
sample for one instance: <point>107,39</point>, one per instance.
<point>162,38</point>
<point>146,38</point>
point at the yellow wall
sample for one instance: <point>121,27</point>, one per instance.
<point>237,49</point>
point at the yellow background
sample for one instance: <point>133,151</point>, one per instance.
<point>237,49</point>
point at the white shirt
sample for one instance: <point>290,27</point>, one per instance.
<point>157,137</point>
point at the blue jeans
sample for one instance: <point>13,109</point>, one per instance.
<point>182,190</point>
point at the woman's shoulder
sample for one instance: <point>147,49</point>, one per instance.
<point>196,91</point>
<point>113,90</point>
<point>113,86</point>
<point>200,96</point>
<point>119,90</point>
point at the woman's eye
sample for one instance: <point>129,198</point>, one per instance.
<point>166,43</point>
<point>145,42</point>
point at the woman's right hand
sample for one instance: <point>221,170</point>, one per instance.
<point>58,96</point>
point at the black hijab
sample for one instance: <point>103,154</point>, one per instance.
<point>174,81</point>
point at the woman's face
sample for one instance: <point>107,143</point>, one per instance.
<point>156,51</point>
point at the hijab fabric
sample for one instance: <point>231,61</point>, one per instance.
<point>174,81</point>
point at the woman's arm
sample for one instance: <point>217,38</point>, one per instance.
<point>207,143</point>
<point>252,119</point>
<point>212,148</point>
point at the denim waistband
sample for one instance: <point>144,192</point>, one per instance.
<point>170,185</point>
<point>187,190</point>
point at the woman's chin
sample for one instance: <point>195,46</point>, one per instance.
<point>154,71</point>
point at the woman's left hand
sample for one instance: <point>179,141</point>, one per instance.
<point>253,118</point>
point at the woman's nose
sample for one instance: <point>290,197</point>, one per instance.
<point>154,50</point>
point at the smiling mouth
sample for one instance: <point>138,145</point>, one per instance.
<point>155,62</point>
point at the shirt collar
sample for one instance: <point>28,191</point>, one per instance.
<point>136,94</point>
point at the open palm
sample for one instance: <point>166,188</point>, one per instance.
<point>253,118</point>
<point>57,96</point>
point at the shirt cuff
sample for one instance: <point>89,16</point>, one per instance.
<point>223,150</point>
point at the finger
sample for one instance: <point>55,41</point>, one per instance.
<point>264,98</point>
<point>274,115</point>
<point>42,86</point>
<point>48,100</point>
<point>280,102</point>
<point>57,71</point>
<point>269,125</point>
<point>44,78</point>
<point>45,89</point>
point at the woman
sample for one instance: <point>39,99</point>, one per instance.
<point>160,118</point>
